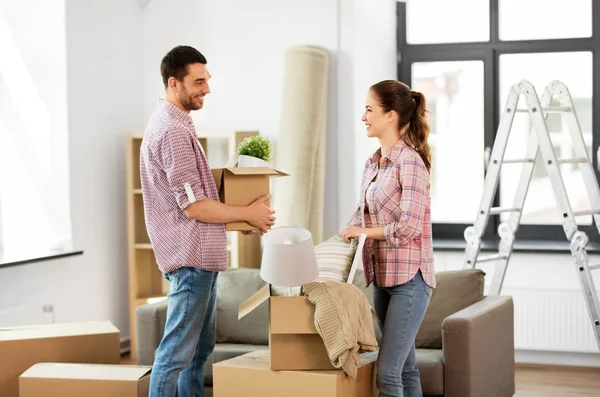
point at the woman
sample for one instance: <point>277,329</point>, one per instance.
<point>394,213</point>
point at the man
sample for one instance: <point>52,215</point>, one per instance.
<point>186,224</point>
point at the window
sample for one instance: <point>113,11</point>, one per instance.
<point>575,70</point>
<point>465,66</point>
<point>450,25</point>
<point>34,182</point>
<point>454,92</point>
<point>545,19</point>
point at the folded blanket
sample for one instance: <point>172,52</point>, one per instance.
<point>343,319</point>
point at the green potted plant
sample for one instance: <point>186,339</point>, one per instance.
<point>254,151</point>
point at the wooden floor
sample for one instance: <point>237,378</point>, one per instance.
<point>537,381</point>
<point>557,382</point>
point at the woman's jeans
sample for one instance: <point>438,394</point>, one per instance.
<point>189,334</point>
<point>400,310</point>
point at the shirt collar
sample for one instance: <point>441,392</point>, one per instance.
<point>175,112</point>
<point>392,155</point>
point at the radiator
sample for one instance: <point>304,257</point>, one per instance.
<point>552,320</point>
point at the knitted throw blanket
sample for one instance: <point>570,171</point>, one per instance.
<point>343,319</point>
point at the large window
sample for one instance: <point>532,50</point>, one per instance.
<point>34,182</point>
<point>465,64</point>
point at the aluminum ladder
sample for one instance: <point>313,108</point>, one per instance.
<point>539,143</point>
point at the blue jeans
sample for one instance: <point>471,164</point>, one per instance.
<point>400,310</point>
<point>189,337</point>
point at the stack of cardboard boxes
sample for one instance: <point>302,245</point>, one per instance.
<point>297,363</point>
<point>79,359</point>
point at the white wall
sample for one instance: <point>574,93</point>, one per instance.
<point>105,92</point>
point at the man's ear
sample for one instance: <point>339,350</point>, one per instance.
<point>173,83</point>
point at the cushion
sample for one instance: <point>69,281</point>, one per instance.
<point>233,287</point>
<point>431,371</point>
<point>334,259</point>
<point>455,291</point>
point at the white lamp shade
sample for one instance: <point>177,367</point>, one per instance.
<point>289,258</point>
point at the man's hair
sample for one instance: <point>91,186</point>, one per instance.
<point>175,63</point>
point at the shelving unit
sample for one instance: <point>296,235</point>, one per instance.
<point>146,283</point>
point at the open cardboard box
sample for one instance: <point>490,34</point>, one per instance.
<point>243,185</point>
<point>294,342</point>
<point>90,380</point>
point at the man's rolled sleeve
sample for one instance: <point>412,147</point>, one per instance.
<point>181,169</point>
<point>414,179</point>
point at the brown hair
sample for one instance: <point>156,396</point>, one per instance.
<point>411,109</point>
<point>175,62</point>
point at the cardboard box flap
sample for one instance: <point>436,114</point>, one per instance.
<point>87,371</point>
<point>255,171</point>
<point>57,330</point>
<point>218,177</point>
<point>254,301</point>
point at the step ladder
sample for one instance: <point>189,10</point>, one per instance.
<point>539,142</point>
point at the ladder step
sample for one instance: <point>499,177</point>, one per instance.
<point>559,161</point>
<point>493,257</point>
<point>586,212</point>
<point>572,161</point>
<point>551,109</point>
<point>510,161</point>
<point>594,267</point>
<point>500,210</point>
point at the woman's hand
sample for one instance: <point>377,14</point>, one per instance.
<point>351,232</point>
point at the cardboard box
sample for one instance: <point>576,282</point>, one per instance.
<point>89,380</point>
<point>254,379</point>
<point>294,342</point>
<point>243,185</point>
<point>22,347</point>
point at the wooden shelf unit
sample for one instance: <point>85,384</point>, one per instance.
<point>146,282</point>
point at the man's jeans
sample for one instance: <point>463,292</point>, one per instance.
<point>400,310</point>
<point>189,334</point>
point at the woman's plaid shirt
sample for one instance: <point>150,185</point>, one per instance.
<point>399,201</point>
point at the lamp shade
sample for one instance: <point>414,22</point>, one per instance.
<point>289,258</point>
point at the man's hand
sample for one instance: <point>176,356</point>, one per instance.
<point>261,216</point>
<point>351,232</point>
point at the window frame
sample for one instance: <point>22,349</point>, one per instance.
<point>450,235</point>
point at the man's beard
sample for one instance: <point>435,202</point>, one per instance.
<point>187,101</point>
